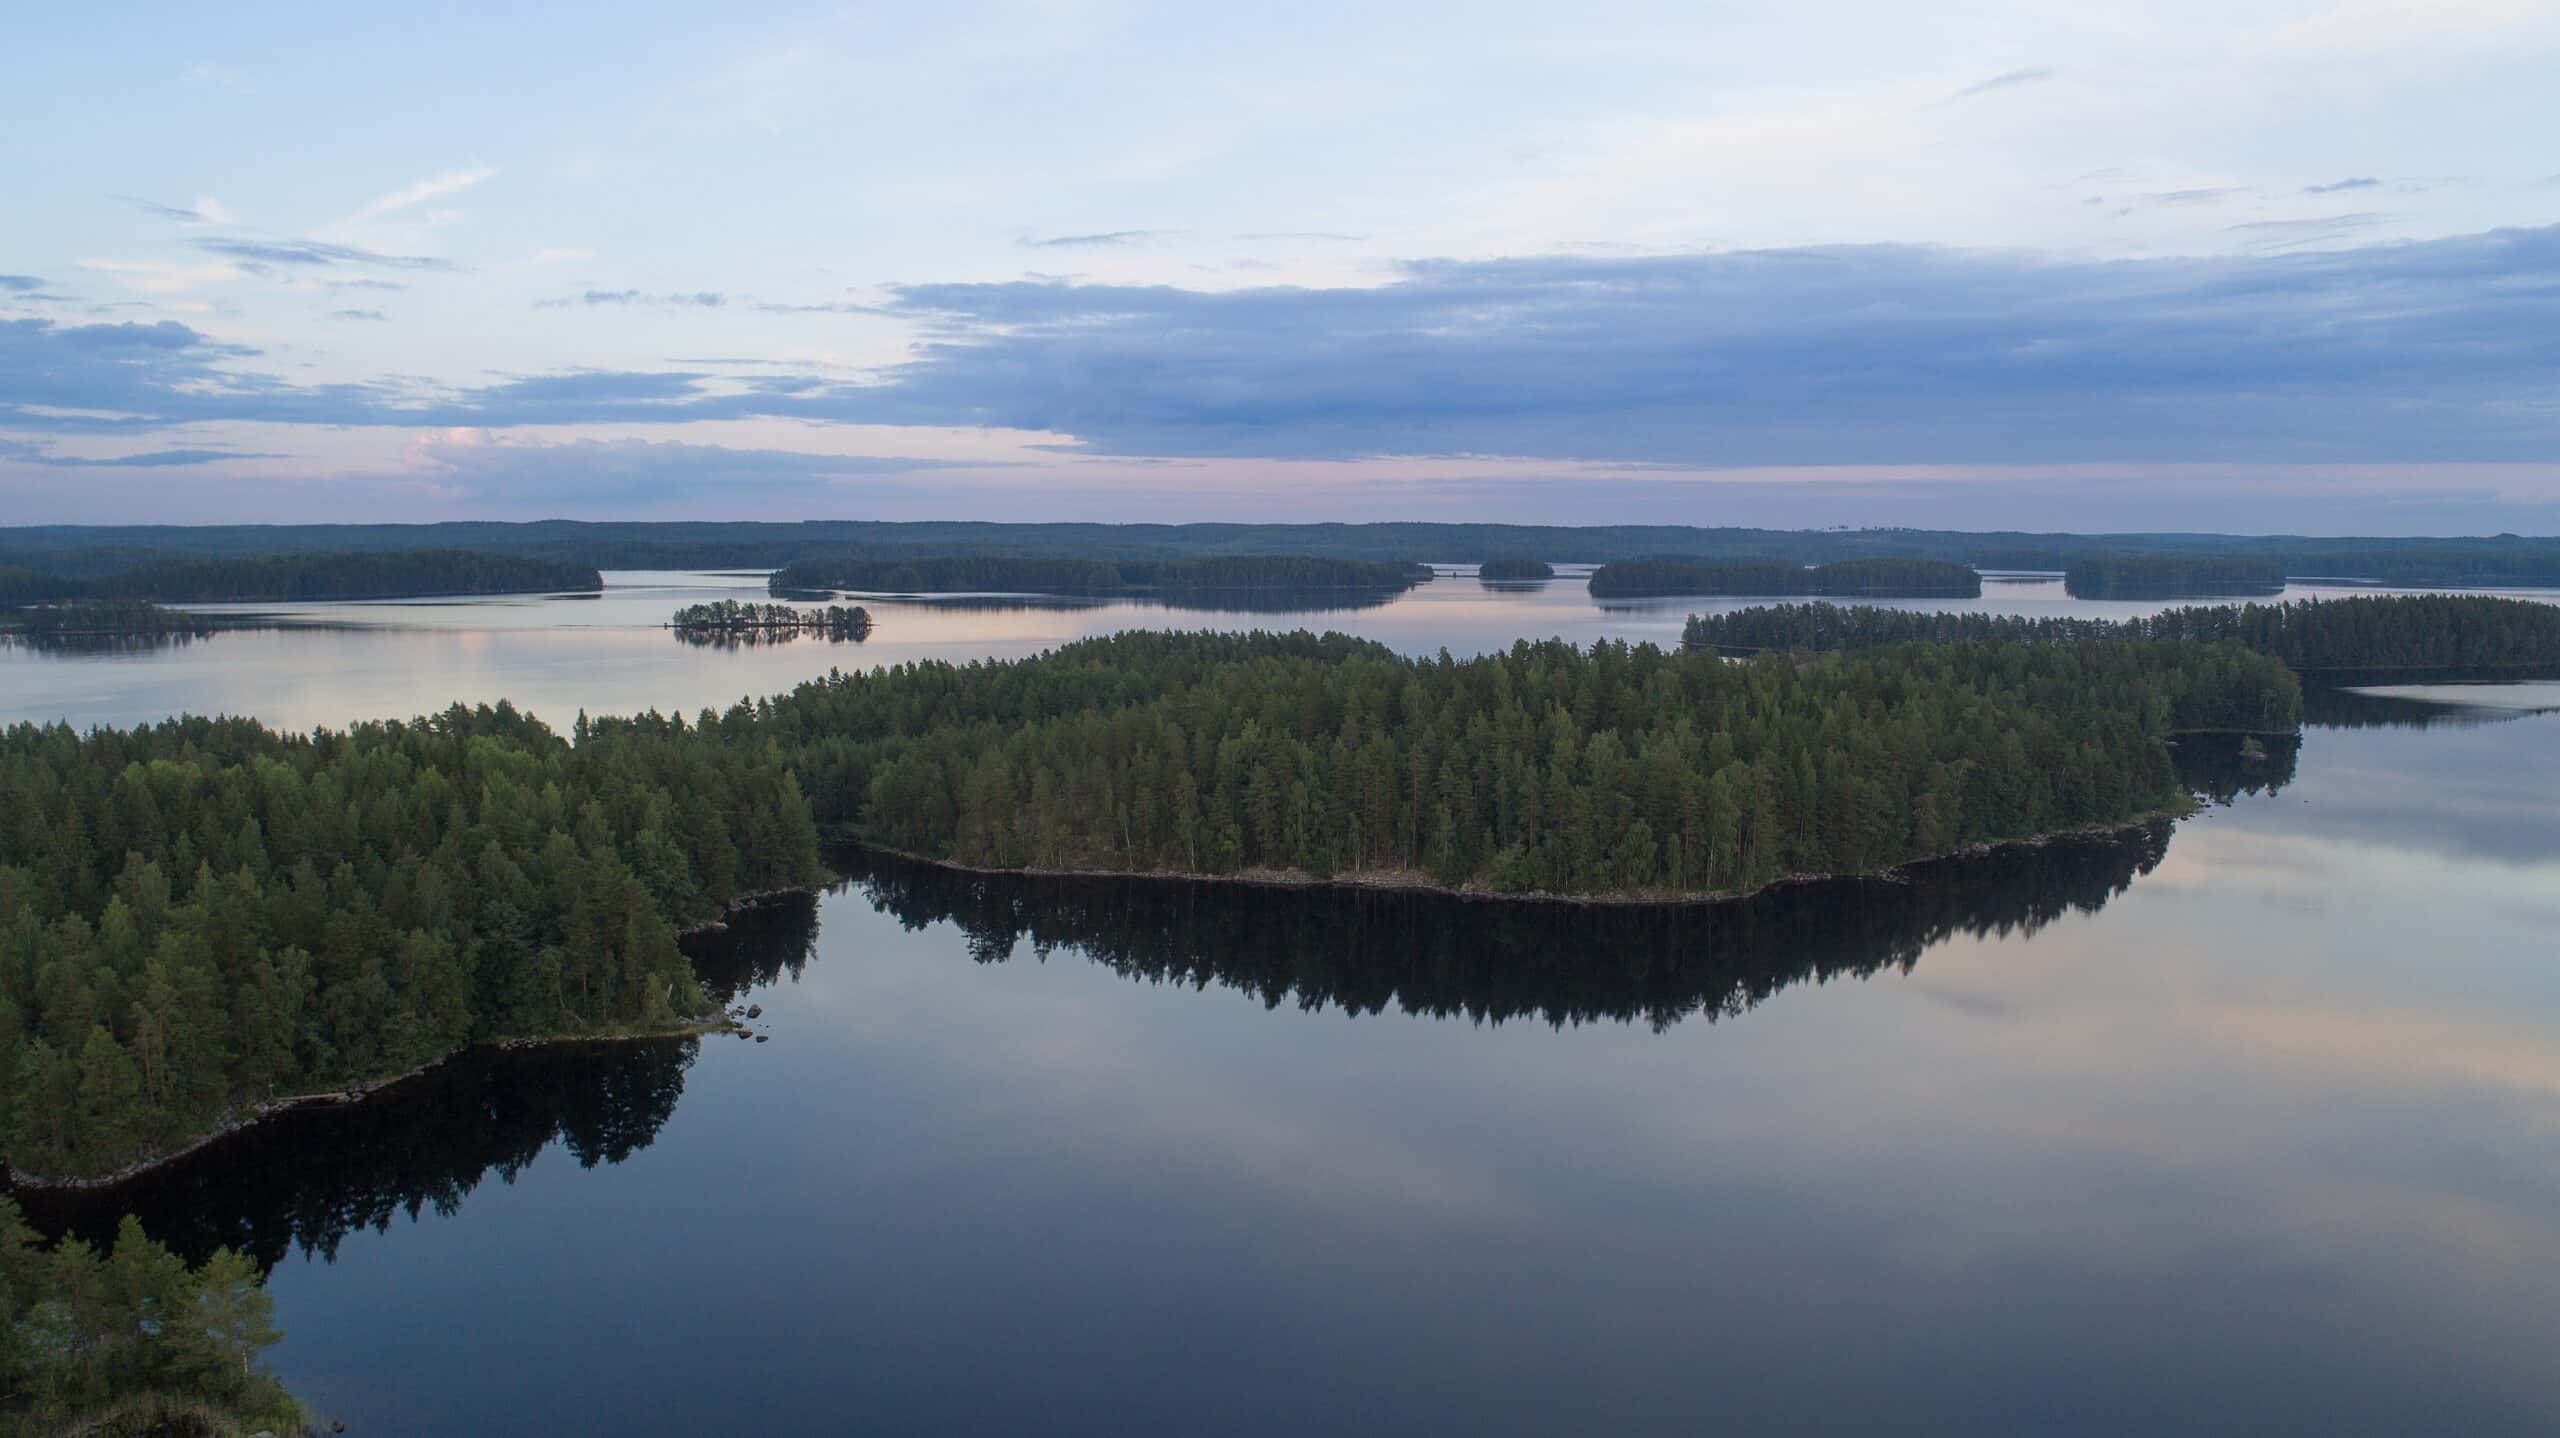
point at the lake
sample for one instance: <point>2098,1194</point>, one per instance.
<point>2251,1124</point>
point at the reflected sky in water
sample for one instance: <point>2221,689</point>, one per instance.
<point>2255,1132</point>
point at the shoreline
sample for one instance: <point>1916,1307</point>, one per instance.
<point>1412,881</point>
<point>363,1090</point>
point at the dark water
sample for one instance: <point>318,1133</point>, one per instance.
<point>2251,1125</point>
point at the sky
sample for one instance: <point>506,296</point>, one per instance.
<point>2248,265</point>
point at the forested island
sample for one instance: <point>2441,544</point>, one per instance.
<point>733,620</point>
<point>133,1340</point>
<point>2365,633</point>
<point>1513,569</point>
<point>1616,771</point>
<point>1034,574</point>
<point>76,617</point>
<point>2159,576</point>
<point>278,578</point>
<point>1875,578</point>
<point>202,917</point>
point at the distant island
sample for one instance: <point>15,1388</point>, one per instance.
<point>1036,574</point>
<point>2160,576</point>
<point>1514,569</point>
<point>288,578</point>
<point>2362,634</point>
<point>1874,578</point>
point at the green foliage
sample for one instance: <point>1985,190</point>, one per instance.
<point>202,914</point>
<point>1031,574</point>
<point>729,616</point>
<point>1618,769</point>
<point>1849,576</point>
<point>132,1340</point>
<point>2378,632</point>
<point>2139,576</point>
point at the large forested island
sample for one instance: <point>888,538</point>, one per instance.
<point>1878,578</point>
<point>1035,574</point>
<point>201,917</point>
<point>1615,771</point>
<point>2414,632</point>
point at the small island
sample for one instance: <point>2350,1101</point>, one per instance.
<point>1513,569</point>
<point>732,621</point>
<point>1871,578</point>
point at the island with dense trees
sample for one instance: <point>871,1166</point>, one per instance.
<point>1618,771</point>
<point>1032,574</point>
<point>2361,634</point>
<point>1876,578</point>
<point>732,621</point>
<point>2158,576</point>
<point>133,1340</point>
<point>1513,569</point>
<point>202,918</point>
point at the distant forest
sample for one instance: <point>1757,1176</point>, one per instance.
<point>2377,632</point>
<point>1514,568</point>
<point>392,574</point>
<point>1544,769</point>
<point>90,551</point>
<point>1878,578</point>
<point>1020,574</point>
<point>200,915</point>
<point>2169,576</point>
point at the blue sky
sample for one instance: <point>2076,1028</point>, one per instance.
<point>2245,266</point>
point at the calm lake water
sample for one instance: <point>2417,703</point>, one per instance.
<point>2252,1125</point>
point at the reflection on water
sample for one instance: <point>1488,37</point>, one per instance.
<point>307,1178</point>
<point>1363,951</point>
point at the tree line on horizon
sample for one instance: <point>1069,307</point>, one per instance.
<point>284,578</point>
<point>1039,574</point>
<point>1873,577</point>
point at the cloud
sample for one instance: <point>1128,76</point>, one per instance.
<point>364,284</point>
<point>2009,79</point>
<point>161,277</point>
<point>26,452</point>
<point>698,299</point>
<point>2435,351</point>
<point>2307,230</point>
<point>638,472</point>
<point>206,211</point>
<point>358,315</point>
<point>829,307</point>
<point>1327,235</point>
<point>314,253</point>
<point>20,282</point>
<point>430,188</point>
<point>2359,182</point>
<point>2200,196</point>
<point>1088,242</point>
